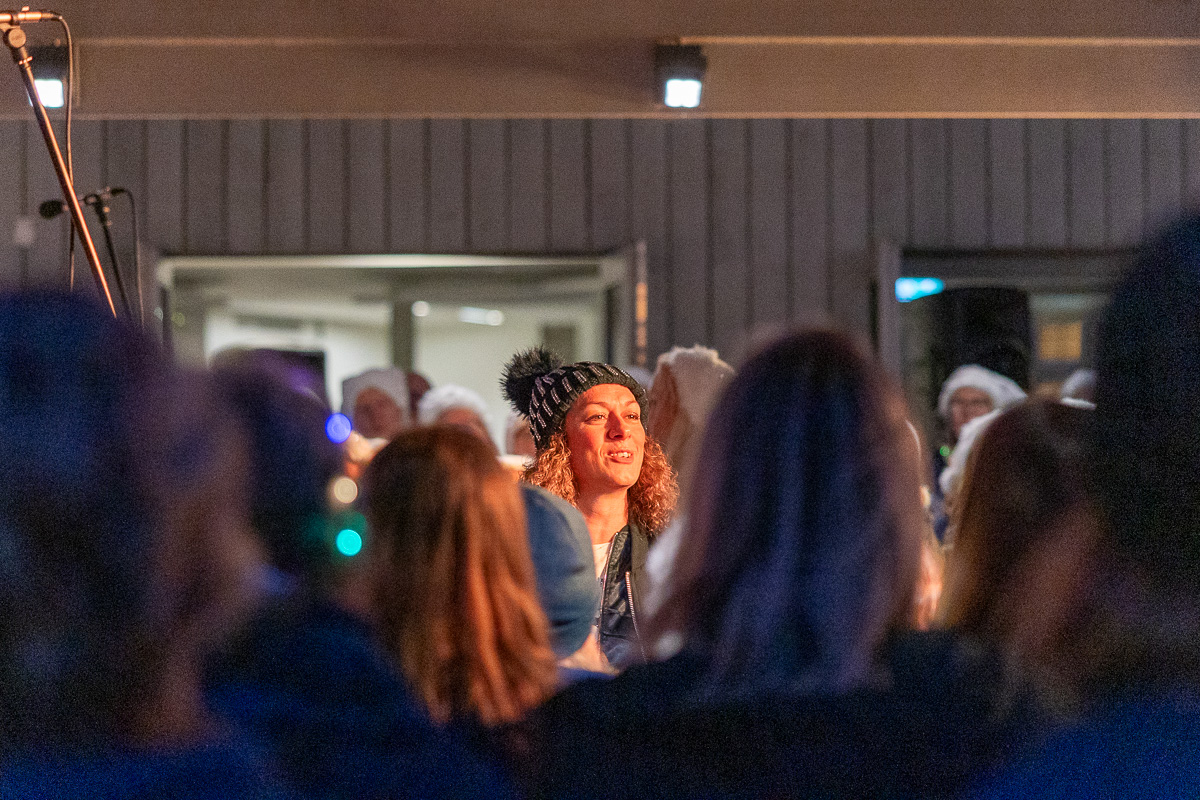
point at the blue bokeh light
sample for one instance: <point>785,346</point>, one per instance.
<point>338,428</point>
<point>909,289</point>
<point>349,542</point>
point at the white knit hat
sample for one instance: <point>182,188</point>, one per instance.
<point>699,375</point>
<point>1003,391</point>
<point>440,399</point>
<point>392,381</point>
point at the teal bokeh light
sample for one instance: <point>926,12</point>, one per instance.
<point>349,542</point>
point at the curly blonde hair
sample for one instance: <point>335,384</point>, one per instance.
<point>651,500</point>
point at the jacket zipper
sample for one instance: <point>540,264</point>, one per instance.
<point>633,613</point>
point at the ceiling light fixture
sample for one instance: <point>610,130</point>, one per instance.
<point>679,74</point>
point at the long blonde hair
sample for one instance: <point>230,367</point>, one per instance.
<point>453,577</point>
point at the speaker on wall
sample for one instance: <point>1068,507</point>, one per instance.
<point>986,326</point>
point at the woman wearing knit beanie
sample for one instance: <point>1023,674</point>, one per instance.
<point>593,451</point>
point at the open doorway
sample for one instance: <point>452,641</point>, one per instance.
<point>455,319</point>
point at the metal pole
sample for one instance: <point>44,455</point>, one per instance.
<point>14,37</point>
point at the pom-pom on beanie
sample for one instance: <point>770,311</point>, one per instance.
<point>542,388</point>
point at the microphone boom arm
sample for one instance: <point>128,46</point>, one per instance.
<point>14,37</point>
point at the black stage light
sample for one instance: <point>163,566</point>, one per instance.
<point>679,73</point>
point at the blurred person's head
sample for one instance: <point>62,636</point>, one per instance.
<point>1024,533</point>
<point>450,404</point>
<point>518,440</point>
<point>124,550</point>
<point>972,391</point>
<point>804,536</point>
<point>417,385</point>
<point>453,580</point>
<point>587,423</point>
<point>686,384</point>
<point>292,462</point>
<point>1145,448</point>
<point>377,402</point>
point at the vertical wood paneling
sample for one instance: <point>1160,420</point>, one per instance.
<point>1124,186</point>
<point>48,257</point>
<point>529,215</point>
<point>890,180</point>
<point>930,198</point>
<point>448,188</point>
<point>286,186</point>
<point>1164,170</point>
<point>968,183</point>
<point>810,220</point>
<point>852,262</point>
<point>728,234</point>
<point>489,185</point>
<point>88,156</point>
<point>1086,217</point>
<point>125,167</point>
<point>568,186</point>
<point>1191,163</point>
<point>11,202</point>
<point>164,185</point>
<point>204,196</point>
<point>691,287</point>
<point>609,184</point>
<point>247,231</point>
<point>649,221</point>
<point>407,189</point>
<point>326,230</point>
<point>768,223</point>
<point>1047,152</point>
<point>367,192</point>
<point>1008,187</point>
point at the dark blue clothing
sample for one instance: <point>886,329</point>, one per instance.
<point>309,684</point>
<point>937,718</point>
<point>1131,748</point>
<point>222,770</point>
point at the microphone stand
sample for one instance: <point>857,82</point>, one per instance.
<point>15,38</point>
<point>99,204</point>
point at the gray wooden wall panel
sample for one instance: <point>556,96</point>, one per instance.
<point>12,203</point>
<point>529,209</point>
<point>609,184</point>
<point>1045,147</point>
<point>244,174</point>
<point>568,185</point>
<point>205,186</point>
<point>690,271</point>
<point>728,232</point>
<point>968,145</point>
<point>326,180</point>
<point>1007,179</point>
<point>448,186</point>
<point>286,186</point>
<point>852,262</point>
<point>747,223</point>
<point>407,190</point>
<point>1087,220</point>
<point>649,221</point>
<point>1163,170</point>
<point>810,227</point>
<point>1124,185</point>
<point>366,190</point>
<point>769,253</point>
<point>487,140</point>
<point>48,257</point>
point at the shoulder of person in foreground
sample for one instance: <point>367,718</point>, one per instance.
<point>1147,746</point>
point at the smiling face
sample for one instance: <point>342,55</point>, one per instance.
<point>606,439</point>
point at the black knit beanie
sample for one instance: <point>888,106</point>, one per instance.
<point>542,388</point>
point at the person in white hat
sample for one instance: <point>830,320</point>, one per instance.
<point>972,391</point>
<point>377,402</point>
